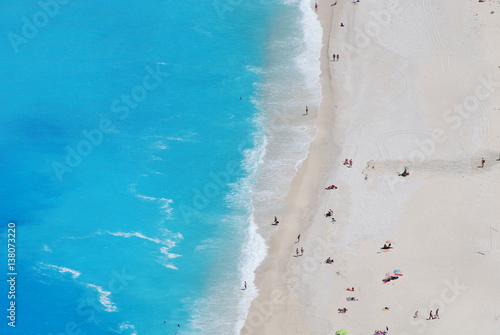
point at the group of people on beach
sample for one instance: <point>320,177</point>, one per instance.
<point>329,214</point>
<point>435,316</point>
<point>301,251</point>
<point>431,317</point>
<point>349,298</point>
<point>348,163</point>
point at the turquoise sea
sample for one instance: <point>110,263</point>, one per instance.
<point>134,149</point>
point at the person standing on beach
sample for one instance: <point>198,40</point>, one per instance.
<point>350,163</point>
<point>307,111</point>
<point>337,58</point>
<point>482,162</point>
<point>437,314</point>
<point>430,316</point>
<point>298,238</point>
<point>316,6</point>
<point>301,251</point>
<point>245,285</point>
<point>297,252</point>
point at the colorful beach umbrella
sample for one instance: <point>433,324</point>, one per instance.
<point>342,332</point>
<point>397,271</point>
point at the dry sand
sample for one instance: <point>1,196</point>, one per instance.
<point>417,84</point>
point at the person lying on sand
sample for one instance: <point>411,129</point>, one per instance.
<point>351,299</point>
<point>331,187</point>
<point>351,289</point>
<point>342,310</point>
<point>329,213</point>
<point>405,173</point>
<point>329,261</point>
<point>386,246</point>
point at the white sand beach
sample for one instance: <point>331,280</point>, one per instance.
<point>417,85</point>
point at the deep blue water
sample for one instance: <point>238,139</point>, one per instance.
<point>122,133</point>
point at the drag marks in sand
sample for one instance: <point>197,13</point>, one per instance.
<point>431,168</point>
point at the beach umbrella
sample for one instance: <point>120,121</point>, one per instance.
<point>408,167</point>
<point>388,241</point>
<point>342,332</point>
<point>398,272</point>
<point>389,274</point>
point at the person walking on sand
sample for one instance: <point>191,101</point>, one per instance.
<point>298,238</point>
<point>436,316</point>
<point>415,316</point>
<point>430,316</point>
<point>301,251</point>
<point>245,285</point>
<point>337,58</point>
<point>307,111</point>
<point>316,6</point>
<point>482,162</point>
<point>297,252</point>
<point>350,163</point>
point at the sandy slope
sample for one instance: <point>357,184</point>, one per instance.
<point>417,84</point>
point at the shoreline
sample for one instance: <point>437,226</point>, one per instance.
<point>272,288</point>
<point>389,103</point>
